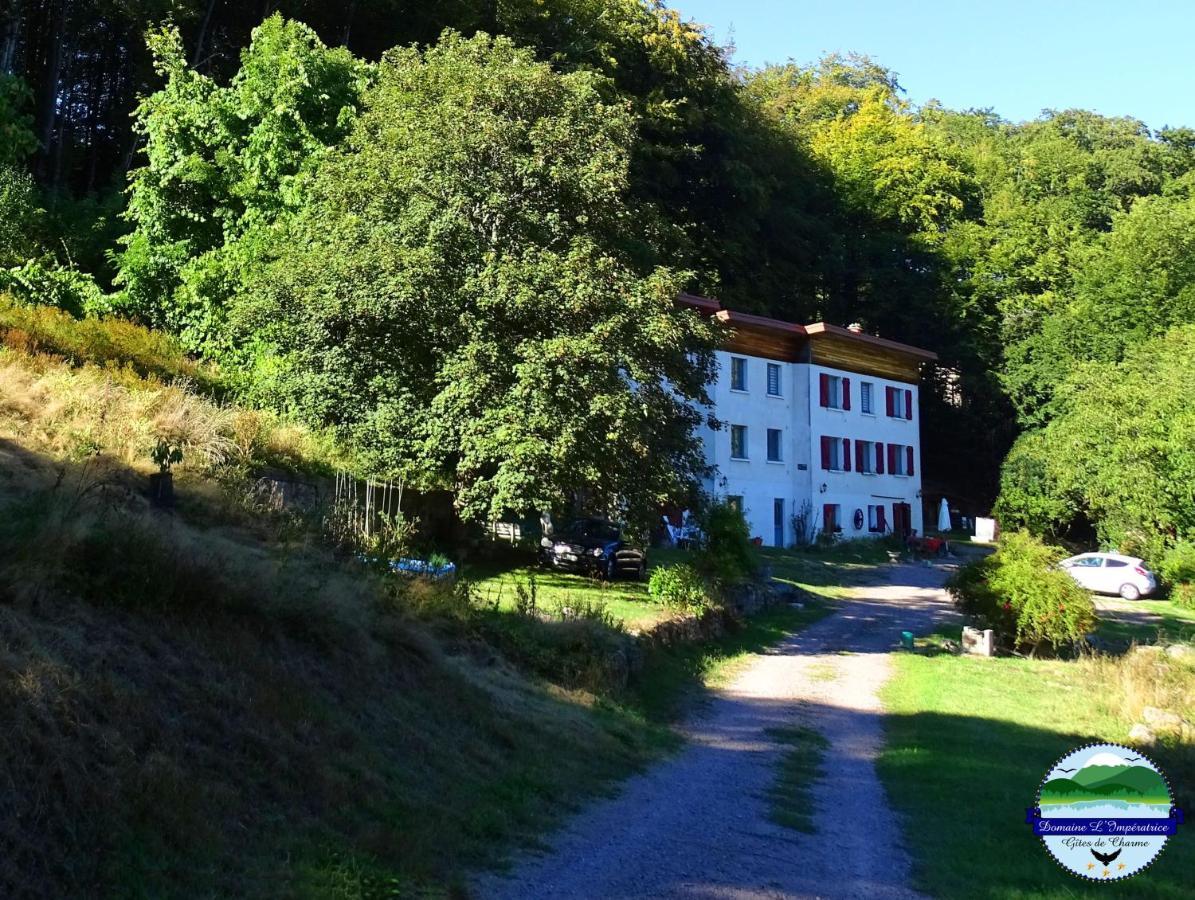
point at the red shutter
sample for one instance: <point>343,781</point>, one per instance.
<point>892,448</point>
<point>890,400</point>
<point>879,458</point>
<point>824,382</point>
<point>846,454</point>
<point>825,452</point>
<point>859,456</point>
<point>828,518</point>
<point>846,393</point>
<point>909,458</point>
<point>882,517</point>
<point>908,404</point>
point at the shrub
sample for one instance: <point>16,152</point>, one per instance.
<point>1178,565</point>
<point>1019,594</point>
<point>680,586</point>
<point>1183,595</point>
<point>724,555</point>
<point>45,283</point>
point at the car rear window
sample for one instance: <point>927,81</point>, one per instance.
<point>1116,563</point>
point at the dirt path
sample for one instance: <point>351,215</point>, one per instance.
<point>697,825</point>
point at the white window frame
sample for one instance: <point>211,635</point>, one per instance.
<point>746,452</point>
<point>779,392</point>
<point>736,361</point>
<point>901,459</point>
<point>869,458</point>
<point>867,398</point>
<point>834,392</point>
<point>836,455</point>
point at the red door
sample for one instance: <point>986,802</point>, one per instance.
<point>902,518</point>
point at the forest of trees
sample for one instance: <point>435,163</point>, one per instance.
<point>436,226</point>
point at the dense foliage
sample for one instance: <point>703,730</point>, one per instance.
<point>679,586</point>
<point>469,315</point>
<point>1120,451</point>
<point>1024,254</point>
<point>1020,593</point>
<point>724,554</point>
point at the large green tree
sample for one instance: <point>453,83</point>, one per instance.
<point>1119,451</point>
<point>465,296</point>
<point>223,165</point>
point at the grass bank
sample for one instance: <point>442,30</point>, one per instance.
<point>189,713</point>
<point>967,742</point>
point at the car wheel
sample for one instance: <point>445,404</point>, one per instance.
<point>1130,592</point>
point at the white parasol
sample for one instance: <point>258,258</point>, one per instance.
<point>944,516</point>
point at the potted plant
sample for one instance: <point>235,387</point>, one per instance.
<point>161,483</point>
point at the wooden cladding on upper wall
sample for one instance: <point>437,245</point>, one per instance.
<point>841,353</point>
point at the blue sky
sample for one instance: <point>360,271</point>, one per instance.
<point>1135,57</point>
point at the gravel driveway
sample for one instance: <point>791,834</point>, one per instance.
<point>697,824</point>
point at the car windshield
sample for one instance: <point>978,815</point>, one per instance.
<point>591,528</point>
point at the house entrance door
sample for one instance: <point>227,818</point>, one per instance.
<point>902,518</point>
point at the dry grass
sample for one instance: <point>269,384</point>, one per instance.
<point>73,412</point>
<point>1147,676</point>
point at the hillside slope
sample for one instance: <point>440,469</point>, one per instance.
<point>203,704</point>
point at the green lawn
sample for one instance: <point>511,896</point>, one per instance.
<point>626,600</point>
<point>827,571</point>
<point>1176,624</point>
<point>967,742</point>
<point>676,676</point>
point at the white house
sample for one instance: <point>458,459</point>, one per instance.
<point>815,418</point>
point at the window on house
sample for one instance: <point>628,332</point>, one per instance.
<point>899,403</point>
<point>738,373</point>
<point>773,379</point>
<point>876,519</point>
<point>866,390</point>
<point>834,391</point>
<point>865,457</point>
<point>775,435</point>
<point>836,454</point>
<point>831,518</point>
<point>738,441</point>
<point>900,459</point>
<point>735,502</point>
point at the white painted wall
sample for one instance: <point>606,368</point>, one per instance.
<point>853,490</point>
<point>799,477</point>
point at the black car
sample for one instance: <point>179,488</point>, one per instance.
<point>593,547</point>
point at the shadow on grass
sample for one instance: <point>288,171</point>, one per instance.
<point>1144,622</point>
<point>961,785</point>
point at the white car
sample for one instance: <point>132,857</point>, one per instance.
<point>1111,573</point>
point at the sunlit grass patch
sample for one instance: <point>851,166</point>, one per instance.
<point>791,797</point>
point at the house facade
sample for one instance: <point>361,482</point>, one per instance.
<point>819,424</point>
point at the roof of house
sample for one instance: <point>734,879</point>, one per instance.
<point>819,342</point>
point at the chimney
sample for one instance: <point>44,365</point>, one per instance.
<point>855,327</point>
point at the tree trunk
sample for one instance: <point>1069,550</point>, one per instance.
<point>202,36</point>
<point>10,37</point>
<point>47,115</point>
